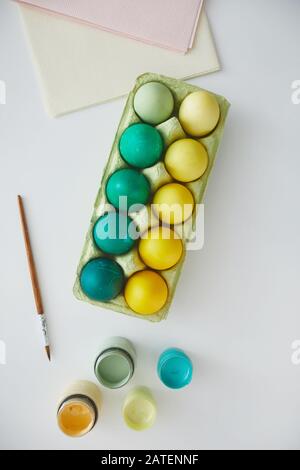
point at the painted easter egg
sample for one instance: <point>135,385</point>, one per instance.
<point>141,145</point>
<point>186,160</point>
<point>102,279</point>
<point>127,188</point>
<point>160,248</point>
<point>146,292</point>
<point>154,103</point>
<point>199,113</point>
<point>173,203</point>
<point>115,233</point>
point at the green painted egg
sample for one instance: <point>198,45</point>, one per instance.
<point>127,188</point>
<point>102,279</point>
<point>141,146</point>
<point>154,103</point>
<point>115,233</point>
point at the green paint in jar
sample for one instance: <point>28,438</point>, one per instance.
<point>114,367</point>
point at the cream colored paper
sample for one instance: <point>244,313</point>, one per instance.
<point>80,66</point>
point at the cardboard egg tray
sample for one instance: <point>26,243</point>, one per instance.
<point>171,131</point>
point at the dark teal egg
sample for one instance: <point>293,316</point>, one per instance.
<point>130,184</point>
<point>102,279</point>
<point>115,233</point>
<point>141,145</point>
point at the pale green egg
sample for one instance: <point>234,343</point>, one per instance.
<point>154,103</point>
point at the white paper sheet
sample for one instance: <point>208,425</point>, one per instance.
<point>80,66</point>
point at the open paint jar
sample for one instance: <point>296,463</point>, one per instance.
<point>78,412</point>
<point>114,367</point>
<point>139,409</point>
<point>175,369</point>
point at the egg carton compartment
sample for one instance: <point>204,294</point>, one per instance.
<point>171,131</point>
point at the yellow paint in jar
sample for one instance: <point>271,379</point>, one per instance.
<point>173,203</point>
<point>199,113</point>
<point>78,411</point>
<point>186,160</point>
<point>146,292</point>
<point>161,248</point>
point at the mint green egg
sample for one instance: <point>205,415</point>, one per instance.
<point>141,146</point>
<point>153,103</point>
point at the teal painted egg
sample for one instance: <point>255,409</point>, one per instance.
<point>141,146</point>
<point>154,103</point>
<point>115,233</point>
<point>102,279</point>
<point>130,184</point>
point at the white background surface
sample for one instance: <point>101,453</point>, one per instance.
<point>237,308</point>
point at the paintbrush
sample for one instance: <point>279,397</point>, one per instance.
<point>33,275</point>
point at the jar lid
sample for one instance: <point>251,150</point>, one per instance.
<point>175,369</point>
<point>139,410</point>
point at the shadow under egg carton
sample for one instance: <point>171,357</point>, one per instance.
<point>158,176</point>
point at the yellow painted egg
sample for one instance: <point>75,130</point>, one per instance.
<point>173,203</point>
<point>199,113</point>
<point>186,160</point>
<point>161,248</point>
<point>146,292</point>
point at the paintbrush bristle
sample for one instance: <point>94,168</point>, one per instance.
<point>47,348</point>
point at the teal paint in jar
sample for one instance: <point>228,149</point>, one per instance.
<point>115,365</point>
<point>175,368</point>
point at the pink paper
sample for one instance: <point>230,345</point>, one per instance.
<point>166,23</point>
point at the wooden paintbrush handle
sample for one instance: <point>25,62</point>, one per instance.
<point>31,263</point>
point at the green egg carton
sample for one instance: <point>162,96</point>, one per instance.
<point>170,131</point>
